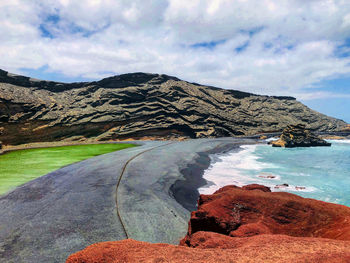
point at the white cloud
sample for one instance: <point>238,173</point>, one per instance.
<point>322,95</point>
<point>262,46</point>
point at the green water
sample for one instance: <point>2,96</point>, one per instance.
<point>19,167</point>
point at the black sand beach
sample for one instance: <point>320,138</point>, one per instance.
<point>55,215</point>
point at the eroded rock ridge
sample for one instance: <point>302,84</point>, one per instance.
<point>139,105</point>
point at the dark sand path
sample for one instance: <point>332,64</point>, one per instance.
<point>55,215</point>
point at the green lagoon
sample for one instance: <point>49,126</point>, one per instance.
<point>21,166</point>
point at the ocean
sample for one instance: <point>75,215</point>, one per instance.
<point>321,173</point>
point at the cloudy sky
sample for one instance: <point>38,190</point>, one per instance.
<point>276,47</point>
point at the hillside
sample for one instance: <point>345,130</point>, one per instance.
<point>139,105</point>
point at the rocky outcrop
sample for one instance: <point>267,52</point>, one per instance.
<point>254,210</point>
<point>244,224</point>
<point>347,128</point>
<point>142,105</point>
<point>298,136</point>
<point>258,249</point>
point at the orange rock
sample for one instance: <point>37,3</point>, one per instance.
<point>256,187</point>
<point>213,247</point>
<point>248,211</point>
<point>333,137</point>
<point>278,143</point>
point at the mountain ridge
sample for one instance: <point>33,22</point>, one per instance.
<point>137,105</point>
<point>25,81</point>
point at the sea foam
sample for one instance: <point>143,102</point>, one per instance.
<point>227,170</point>
<point>315,172</point>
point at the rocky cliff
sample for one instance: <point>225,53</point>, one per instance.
<point>139,105</point>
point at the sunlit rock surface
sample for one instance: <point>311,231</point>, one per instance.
<point>139,105</point>
<point>298,136</point>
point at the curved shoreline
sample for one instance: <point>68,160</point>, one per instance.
<point>149,207</point>
<point>55,215</point>
<point>186,191</point>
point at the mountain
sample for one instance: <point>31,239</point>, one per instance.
<point>140,105</point>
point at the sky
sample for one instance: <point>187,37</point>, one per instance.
<point>272,47</point>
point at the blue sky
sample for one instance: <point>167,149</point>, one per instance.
<point>46,74</point>
<point>294,47</point>
<point>332,104</point>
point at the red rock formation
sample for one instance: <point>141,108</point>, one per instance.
<point>257,249</point>
<point>248,224</point>
<point>253,210</point>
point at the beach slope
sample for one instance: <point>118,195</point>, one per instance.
<point>124,194</point>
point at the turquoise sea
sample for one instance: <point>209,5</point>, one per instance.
<point>321,173</point>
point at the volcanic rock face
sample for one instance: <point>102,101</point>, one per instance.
<point>253,210</point>
<point>248,224</point>
<point>298,136</point>
<point>138,105</point>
